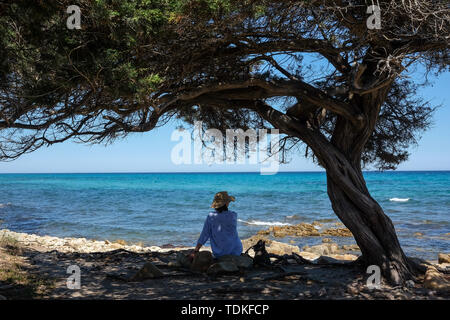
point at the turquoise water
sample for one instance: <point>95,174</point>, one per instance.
<point>169,208</point>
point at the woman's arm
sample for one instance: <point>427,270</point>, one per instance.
<point>196,250</point>
<point>204,236</point>
<point>206,233</point>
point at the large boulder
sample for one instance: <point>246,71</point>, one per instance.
<point>202,261</point>
<point>435,280</point>
<point>336,259</point>
<point>148,271</point>
<point>344,257</point>
<point>337,232</point>
<point>275,247</point>
<point>244,262</point>
<point>181,261</point>
<point>308,255</point>
<point>299,230</point>
<point>222,267</point>
<point>443,258</point>
<point>351,247</point>
<point>281,248</point>
<point>272,246</point>
<point>324,249</point>
<point>304,230</point>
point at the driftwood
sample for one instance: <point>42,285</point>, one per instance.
<point>294,256</point>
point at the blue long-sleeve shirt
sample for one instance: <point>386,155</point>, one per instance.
<point>221,229</point>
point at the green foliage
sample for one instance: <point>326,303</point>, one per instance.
<point>105,51</point>
<point>113,49</point>
<point>132,59</point>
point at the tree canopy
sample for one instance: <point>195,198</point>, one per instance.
<point>135,64</point>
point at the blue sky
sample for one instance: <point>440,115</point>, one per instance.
<point>150,152</point>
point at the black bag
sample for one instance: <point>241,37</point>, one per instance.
<point>261,257</point>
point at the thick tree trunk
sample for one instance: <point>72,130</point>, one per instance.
<point>373,231</point>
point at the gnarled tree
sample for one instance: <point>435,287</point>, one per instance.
<point>311,69</point>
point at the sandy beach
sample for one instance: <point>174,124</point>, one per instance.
<point>35,267</point>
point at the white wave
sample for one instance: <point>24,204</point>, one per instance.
<point>2,205</point>
<point>399,199</point>
<point>264,223</point>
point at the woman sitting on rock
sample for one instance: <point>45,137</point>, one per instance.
<point>220,228</point>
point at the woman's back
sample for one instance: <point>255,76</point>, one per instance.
<point>221,229</point>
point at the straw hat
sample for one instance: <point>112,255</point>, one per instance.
<point>222,198</point>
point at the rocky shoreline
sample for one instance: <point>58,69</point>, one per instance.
<point>327,248</point>
<point>328,273</point>
<point>82,245</point>
<point>307,230</point>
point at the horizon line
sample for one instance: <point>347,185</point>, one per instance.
<point>213,172</point>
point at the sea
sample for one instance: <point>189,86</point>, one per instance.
<point>166,209</point>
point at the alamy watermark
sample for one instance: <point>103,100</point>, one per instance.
<point>74,280</point>
<point>372,22</point>
<point>374,280</point>
<point>74,20</point>
<point>239,147</point>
